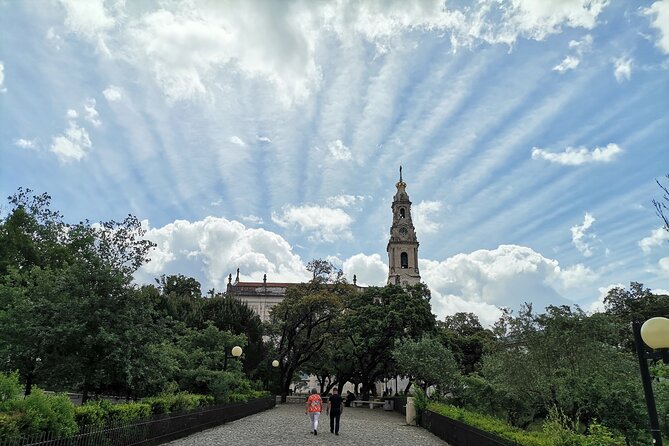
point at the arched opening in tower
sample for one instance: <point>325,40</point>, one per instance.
<point>402,215</point>
<point>404,260</point>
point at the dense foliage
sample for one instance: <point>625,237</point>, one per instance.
<point>71,318</point>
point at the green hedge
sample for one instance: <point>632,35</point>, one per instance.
<point>41,412</point>
<point>554,433</point>
<point>38,413</point>
<point>174,403</point>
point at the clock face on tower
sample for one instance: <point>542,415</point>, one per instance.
<point>403,231</point>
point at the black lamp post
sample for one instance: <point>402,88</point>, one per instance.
<point>654,333</point>
<point>236,353</point>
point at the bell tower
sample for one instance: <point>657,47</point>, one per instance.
<point>403,244</point>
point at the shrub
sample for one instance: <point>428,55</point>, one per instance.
<point>128,412</point>
<point>39,412</point>
<point>10,388</point>
<point>228,383</point>
<point>175,402</point>
<point>556,431</point>
<point>90,414</point>
<point>9,426</point>
<point>420,403</point>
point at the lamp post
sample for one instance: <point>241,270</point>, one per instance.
<point>655,334</point>
<point>236,353</point>
<point>275,364</point>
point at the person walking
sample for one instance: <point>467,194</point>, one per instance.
<point>335,408</point>
<point>314,408</point>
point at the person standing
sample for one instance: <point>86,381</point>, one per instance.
<point>314,408</point>
<point>349,398</point>
<point>335,409</point>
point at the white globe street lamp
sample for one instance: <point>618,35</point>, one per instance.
<point>655,334</point>
<point>236,353</point>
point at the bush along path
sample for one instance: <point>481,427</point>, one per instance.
<point>42,416</point>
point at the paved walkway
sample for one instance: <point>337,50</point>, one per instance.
<point>287,425</point>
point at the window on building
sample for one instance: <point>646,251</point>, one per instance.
<point>402,214</point>
<point>404,260</point>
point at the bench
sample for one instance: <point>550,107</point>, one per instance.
<point>360,403</point>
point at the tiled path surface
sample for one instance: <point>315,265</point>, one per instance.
<point>287,425</point>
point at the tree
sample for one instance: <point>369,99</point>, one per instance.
<point>562,359</point>
<point>68,294</point>
<point>377,317</point>
<point>636,304</point>
<point>228,313</point>
<point>202,358</point>
<point>662,206</point>
<point>464,335</point>
<point>300,325</point>
<point>179,285</point>
<point>427,362</point>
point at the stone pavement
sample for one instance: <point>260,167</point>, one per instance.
<point>287,425</point>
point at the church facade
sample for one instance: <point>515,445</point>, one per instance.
<point>402,251</point>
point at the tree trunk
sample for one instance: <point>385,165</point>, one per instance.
<point>29,384</point>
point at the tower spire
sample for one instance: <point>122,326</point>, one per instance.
<point>403,244</point>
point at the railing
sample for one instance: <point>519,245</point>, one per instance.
<point>456,433</point>
<point>153,431</point>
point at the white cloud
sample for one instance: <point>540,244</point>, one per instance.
<point>90,113</point>
<point>185,46</point>
<point>252,219</point>
<point>369,270</point>
<point>322,223</point>
<point>577,156</point>
<point>663,263</point>
<point>569,63</point>
<point>484,280</point>
<point>344,200</point>
<point>72,145</point>
<point>622,69</point>
<point>579,237</point>
<point>660,291</point>
<point>338,151</point>
<point>89,19</point>
<point>2,77</point>
<point>263,139</point>
<point>537,19</point>
<point>660,12</point>
<point>26,143</point>
<point>657,237</point>
<point>72,114</point>
<point>238,141</point>
<point>575,276</point>
<point>112,93</point>
<point>579,47</point>
<point>215,247</point>
<point>422,215</point>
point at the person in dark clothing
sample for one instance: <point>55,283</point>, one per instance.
<point>350,397</point>
<point>335,408</point>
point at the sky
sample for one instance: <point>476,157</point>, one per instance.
<point>262,134</point>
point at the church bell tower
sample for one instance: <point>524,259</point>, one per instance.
<point>403,244</point>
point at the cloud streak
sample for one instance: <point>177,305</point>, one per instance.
<point>578,156</point>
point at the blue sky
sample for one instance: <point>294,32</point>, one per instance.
<point>260,135</point>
